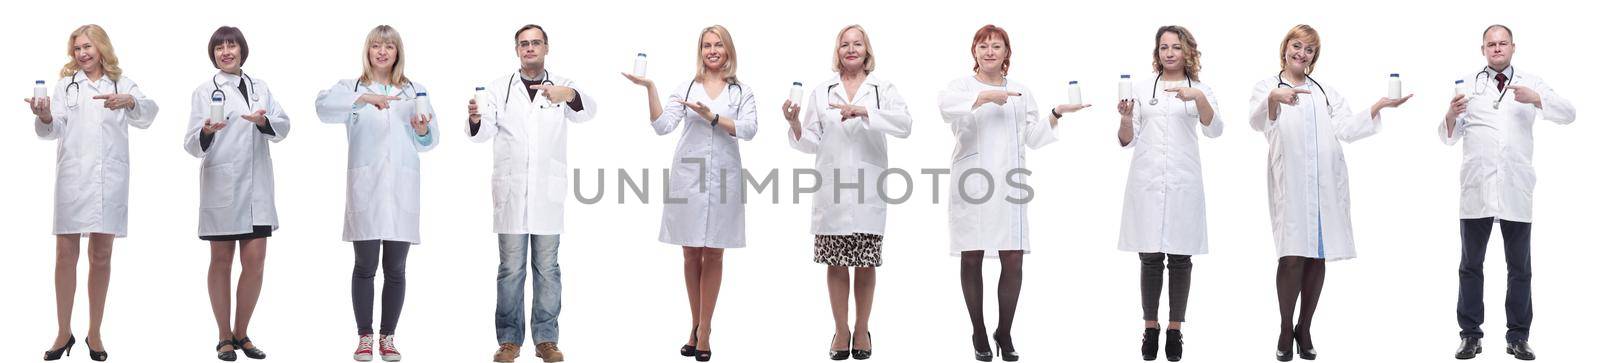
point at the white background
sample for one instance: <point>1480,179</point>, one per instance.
<point>624,291</point>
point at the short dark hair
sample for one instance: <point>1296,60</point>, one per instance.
<point>227,34</point>
<point>1492,27</point>
<point>524,28</point>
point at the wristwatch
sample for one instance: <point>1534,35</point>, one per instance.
<point>1054,113</point>
<point>715,118</point>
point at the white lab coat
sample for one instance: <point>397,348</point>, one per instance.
<point>236,183</point>
<point>855,149</point>
<point>990,137</point>
<point>1308,186</point>
<point>1497,161</point>
<point>712,212</point>
<point>529,184</point>
<point>383,198</point>
<point>1164,205</point>
<point>92,153</point>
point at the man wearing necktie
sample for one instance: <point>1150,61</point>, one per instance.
<point>1497,182</point>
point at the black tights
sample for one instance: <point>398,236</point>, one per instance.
<point>1298,277</point>
<point>1010,289</point>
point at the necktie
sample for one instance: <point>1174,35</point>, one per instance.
<point>1501,78</point>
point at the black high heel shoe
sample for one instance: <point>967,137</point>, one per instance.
<point>227,356</point>
<point>65,349</point>
<point>1150,344</point>
<point>702,356</point>
<point>98,356</point>
<point>862,354</point>
<point>838,354</point>
<point>1285,341</point>
<point>688,349</point>
<point>1008,352</point>
<point>980,348</point>
<point>1302,344</point>
<point>253,353</point>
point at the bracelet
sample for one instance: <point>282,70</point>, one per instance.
<point>1054,113</point>
<point>715,118</point>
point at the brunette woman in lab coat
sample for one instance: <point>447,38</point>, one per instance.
<point>89,113</point>
<point>237,199</point>
<point>715,112</point>
<point>1164,206</point>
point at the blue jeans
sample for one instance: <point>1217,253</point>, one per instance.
<point>508,311</point>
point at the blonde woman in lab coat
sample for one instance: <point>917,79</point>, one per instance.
<point>1308,190</point>
<point>844,123</point>
<point>388,122</point>
<point>704,210</point>
<point>237,197</point>
<point>1164,206</point>
<point>993,119</point>
<point>89,113</point>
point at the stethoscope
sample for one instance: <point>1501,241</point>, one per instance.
<point>217,89</point>
<point>515,78</point>
<point>72,100</point>
<point>1282,84</point>
<point>1481,81</point>
<point>738,107</point>
<point>1154,100</point>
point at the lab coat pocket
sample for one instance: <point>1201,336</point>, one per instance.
<point>216,186</point>
<point>362,184</point>
<point>409,184</point>
<point>556,185</point>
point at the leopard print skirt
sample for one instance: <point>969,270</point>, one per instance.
<point>856,250</point>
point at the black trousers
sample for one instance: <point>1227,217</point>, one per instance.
<point>1178,267</point>
<point>1519,277</point>
<point>393,259</point>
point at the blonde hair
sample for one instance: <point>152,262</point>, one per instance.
<point>384,34</point>
<point>102,44</point>
<point>1191,51</point>
<point>1301,31</point>
<point>869,60</point>
<point>730,67</point>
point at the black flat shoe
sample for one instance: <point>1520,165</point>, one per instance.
<point>702,356</point>
<point>1149,344</point>
<point>980,348</point>
<point>862,354</point>
<point>688,349</point>
<point>1469,348</point>
<point>841,354</point>
<point>227,356</point>
<point>1520,349</point>
<point>1174,345</point>
<point>1302,344</point>
<point>1008,352</point>
<point>253,354</point>
<point>65,349</point>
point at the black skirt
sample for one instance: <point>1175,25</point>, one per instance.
<point>258,232</point>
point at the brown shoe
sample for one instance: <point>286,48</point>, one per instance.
<point>507,353</point>
<point>549,352</point>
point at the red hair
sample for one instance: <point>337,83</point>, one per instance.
<point>991,31</point>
